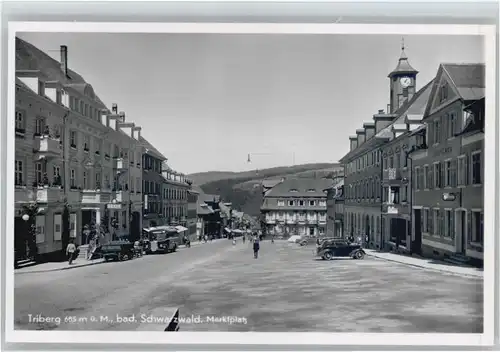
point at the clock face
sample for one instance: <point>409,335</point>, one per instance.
<point>405,81</point>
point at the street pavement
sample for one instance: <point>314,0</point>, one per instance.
<point>221,287</point>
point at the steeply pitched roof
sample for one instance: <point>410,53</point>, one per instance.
<point>403,66</point>
<point>151,149</point>
<point>29,57</point>
<point>469,79</point>
<point>270,183</point>
<point>300,187</point>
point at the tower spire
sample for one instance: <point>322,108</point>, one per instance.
<point>402,43</point>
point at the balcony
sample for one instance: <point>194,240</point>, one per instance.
<point>74,196</point>
<point>322,221</point>
<point>291,221</point>
<point>23,195</point>
<point>119,165</point>
<point>49,195</point>
<point>271,221</point>
<point>46,147</point>
<point>93,196</point>
<point>393,208</point>
<point>312,220</point>
<point>301,221</point>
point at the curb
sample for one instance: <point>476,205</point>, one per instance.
<point>427,268</point>
<point>58,269</point>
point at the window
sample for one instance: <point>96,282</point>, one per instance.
<point>435,222</point>
<point>443,93</point>
<point>57,227</point>
<point>477,227</point>
<point>452,125</point>
<point>20,129</point>
<point>476,167</point>
<point>312,203</point>
<point>72,139</point>
<point>72,178</point>
<point>98,180</point>
<point>19,173</point>
<point>436,132</point>
<point>397,158</point>
<point>437,175</point>
<point>85,180</point>
<point>322,203</point>
<point>40,228</point>
<point>72,225</point>
<point>425,182</point>
<point>461,170</point>
<point>86,143</point>
<point>57,175</point>
<point>449,224</point>
<point>426,220</point>
<point>281,203</point>
<point>391,162</point>
<point>39,126</point>
<point>41,88</point>
<point>38,173</point>
<point>82,107</point>
<point>291,203</point>
<point>418,186</point>
<point>447,170</point>
<point>404,194</point>
<point>301,203</point>
<point>58,97</point>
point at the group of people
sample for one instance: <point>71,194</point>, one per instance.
<point>255,239</point>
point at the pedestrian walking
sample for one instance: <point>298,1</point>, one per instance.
<point>70,252</point>
<point>256,247</point>
<point>206,238</point>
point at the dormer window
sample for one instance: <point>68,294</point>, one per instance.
<point>291,203</point>
<point>58,97</point>
<point>311,190</point>
<point>293,190</point>
<point>41,88</point>
<point>281,203</point>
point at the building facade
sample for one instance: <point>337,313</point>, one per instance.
<point>296,207</point>
<point>335,210</point>
<point>175,197</point>
<point>152,175</point>
<point>192,213</point>
<point>64,166</point>
<point>449,176</point>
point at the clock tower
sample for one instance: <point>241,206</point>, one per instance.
<point>403,81</point>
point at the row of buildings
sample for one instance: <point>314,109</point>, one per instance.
<point>414,176</point>
<point>81,167</point>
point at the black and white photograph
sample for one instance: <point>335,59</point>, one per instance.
<point>249,182</point>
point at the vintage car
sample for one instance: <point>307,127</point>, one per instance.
<point>329,249</point>
<point>117,250</point>
<point>161,239</point>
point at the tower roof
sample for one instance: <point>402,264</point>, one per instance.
<point>403,66</point>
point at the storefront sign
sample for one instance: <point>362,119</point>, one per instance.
<point>115,206</point>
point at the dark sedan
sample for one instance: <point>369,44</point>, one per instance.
<point>339,248</point>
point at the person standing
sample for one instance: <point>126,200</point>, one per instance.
<point>70,252</point>
<point>256,247</point>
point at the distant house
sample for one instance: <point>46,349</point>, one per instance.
<point>295,207</point>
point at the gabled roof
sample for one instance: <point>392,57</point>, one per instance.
<point>270,183</point>
<point>203,209</point>
<point>150,149</point>
<point>469,79</point>
<point>29,57</point>
<point>209,198</point>
<point>474,123</point>
<point>300,187</point>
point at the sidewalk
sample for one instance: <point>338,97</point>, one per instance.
<point>425,263</point>
<point>47,267</point>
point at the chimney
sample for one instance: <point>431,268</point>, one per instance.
<point>137,132</point>
<point>122,116</point>
<point>369,130</point>
<point>353,142</point>
<point>114,108</point>
<point>360,133</point>
<point>64,59</point>
<point>382,120</point>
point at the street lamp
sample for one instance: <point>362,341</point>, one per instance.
<point>25,217</point>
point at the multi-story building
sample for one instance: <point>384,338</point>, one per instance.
<point>175,196</point>
<point>62,166</point>
<point>210,212</point>
<point>152,176</point>
<point>192,214</point>
<point>448,187</point>
<point>296,207</point>
<point>365,190</point>
<point>335,210</point>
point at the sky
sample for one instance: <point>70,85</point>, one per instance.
<point>206,101</point>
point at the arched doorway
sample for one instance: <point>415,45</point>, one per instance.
<point>367,230</point>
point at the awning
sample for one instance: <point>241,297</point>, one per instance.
<point>181,228</point>
<point>237,231</point>
<point>227,229</point>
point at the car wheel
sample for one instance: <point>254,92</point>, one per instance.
<point>359,255</point>
<point>328,256</point>
<point>175,248</point>
<point>125,257</point>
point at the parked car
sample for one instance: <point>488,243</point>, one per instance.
<point>329,249</point>
<point>294,239</point>
<point>161,239</point>
<point>118,250</point>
